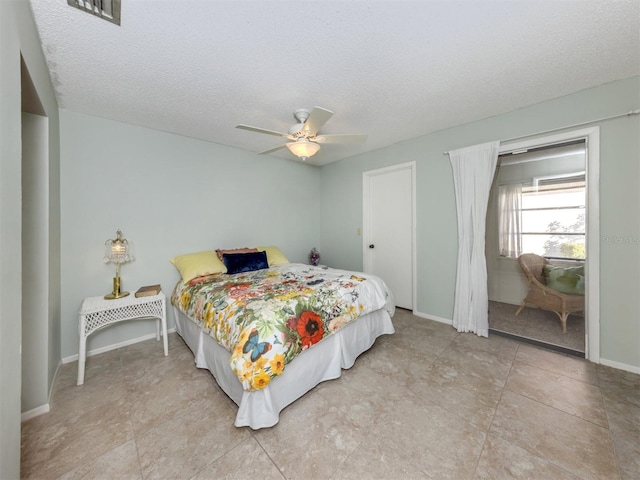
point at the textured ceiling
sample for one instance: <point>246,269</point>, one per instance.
<point>393,70</point>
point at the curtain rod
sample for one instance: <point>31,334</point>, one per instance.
<point>627,114</point>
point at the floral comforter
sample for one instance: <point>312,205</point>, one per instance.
<point>267,317</point>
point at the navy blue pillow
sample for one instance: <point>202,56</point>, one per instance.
<point>245,262</point>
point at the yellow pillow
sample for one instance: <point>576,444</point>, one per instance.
<point>274,256</point>
<point>192,265</point>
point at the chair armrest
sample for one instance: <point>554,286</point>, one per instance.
<point>545,289</point>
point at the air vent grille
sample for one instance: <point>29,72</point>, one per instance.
<point>108,10</point>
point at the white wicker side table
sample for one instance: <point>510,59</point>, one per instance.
<point>96,313</point>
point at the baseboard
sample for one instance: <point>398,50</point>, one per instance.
<point>620,366</point>
<point>34,412</point>
<point>53,381</point>
<point>433,317</point>
<point>107,348</point>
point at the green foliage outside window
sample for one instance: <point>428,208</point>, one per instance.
<point>573,250</point>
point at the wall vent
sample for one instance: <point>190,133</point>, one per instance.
<point>108,10</point>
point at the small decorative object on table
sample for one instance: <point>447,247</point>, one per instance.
<point>314,257</point>
<point>148,291</point>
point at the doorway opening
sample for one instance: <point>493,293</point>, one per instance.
<point>539,205</point>
<point>38,342</point>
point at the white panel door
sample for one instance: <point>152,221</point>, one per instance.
<point>388,229</point>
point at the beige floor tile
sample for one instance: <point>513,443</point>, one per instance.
<point>148,357</point>
<point>502,348</point>
<point>150,405</point>
<point>458,392</point>
<point>101,391</point>
<point>185,444</point>
<point>431,439</point>
<point>394,363</point>
<point>312,439</point>
<point>422,342</point>
<point>619,387</point>
<point>51,448</point>
<point>121,463</point>
<point>427,328</point>
<point>374,460</point>
<point>98,366</point>
<point>572,396</point>
<point>66,376</point>
<point>446,372</point>
<point>246,461</point>
<point>621,392</point>
<point>480,363</point>
<point>363,396</point>
<point>567,365</point>
<point>503,460</point>
<point>581,447</point>
<point>625,435</point>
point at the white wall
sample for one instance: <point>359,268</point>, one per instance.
<point>18,36</point>
<point>341,205</point>
<point>169,195</point>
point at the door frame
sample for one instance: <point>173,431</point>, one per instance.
<point>366,220</point>
<point>591,136</point>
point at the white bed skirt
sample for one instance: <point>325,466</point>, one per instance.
<point>324,361</point>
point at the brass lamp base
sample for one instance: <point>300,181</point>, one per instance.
<point>113,296</point>
<point>116,290</point>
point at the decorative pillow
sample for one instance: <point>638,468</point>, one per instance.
<point>564,279</point>
<point>245,262</point>
<point>192,265</point>
<point>220,253</point>
<point>274,256</point>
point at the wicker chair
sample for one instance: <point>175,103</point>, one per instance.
<point>543,297</point>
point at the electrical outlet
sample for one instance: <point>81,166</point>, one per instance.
<point>358,231</point>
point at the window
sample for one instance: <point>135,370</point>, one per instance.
<point>544,216</point>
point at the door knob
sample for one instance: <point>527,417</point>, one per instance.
<point>371,246</point>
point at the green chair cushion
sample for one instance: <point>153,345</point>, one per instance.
<point>568,280</point>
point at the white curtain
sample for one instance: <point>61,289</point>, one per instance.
<point>510,218</point>
<point>473,171</point>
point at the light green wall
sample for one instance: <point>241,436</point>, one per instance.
<point>169,195</point>
<point>341,204</point>
<point>18,36</point>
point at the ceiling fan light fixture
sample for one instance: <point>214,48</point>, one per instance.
<point>303,148</point>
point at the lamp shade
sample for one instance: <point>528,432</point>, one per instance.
<point>303,148</point>
<point>118,250</point>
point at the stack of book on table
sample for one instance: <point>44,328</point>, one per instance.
<point>148,291</point>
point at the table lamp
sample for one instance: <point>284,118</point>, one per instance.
<point>117,251</point>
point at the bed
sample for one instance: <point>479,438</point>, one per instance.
<point>270,334</point>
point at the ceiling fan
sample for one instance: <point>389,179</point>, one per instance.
<point>305,141</point>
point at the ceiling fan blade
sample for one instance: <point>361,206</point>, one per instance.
<point>341,138</point>
<point>317,119</point>
<point>274,149</point>
<point>261,130</point>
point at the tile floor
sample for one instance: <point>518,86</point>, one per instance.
<point>425,402</point>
